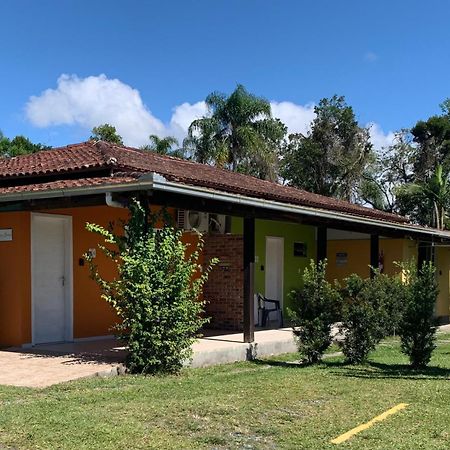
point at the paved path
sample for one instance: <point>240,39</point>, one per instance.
<point>47,365</point>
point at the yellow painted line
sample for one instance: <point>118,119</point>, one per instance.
<point>344,437</point>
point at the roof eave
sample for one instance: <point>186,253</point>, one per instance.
<point>154,181</point>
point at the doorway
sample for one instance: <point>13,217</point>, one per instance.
<point>274,268</point>
<point>51,278</point>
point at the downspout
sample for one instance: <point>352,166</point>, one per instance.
<point>113,203</point>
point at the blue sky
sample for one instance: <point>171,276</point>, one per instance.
<point>135,62</point>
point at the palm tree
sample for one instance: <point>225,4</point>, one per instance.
<point>238,133</point>
<point>435,191</point>
<point>163,146</point>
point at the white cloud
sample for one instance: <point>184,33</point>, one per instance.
<point>92,101</point>
<point>296,117</point>
<point>378,137</point>
<point>183,115</point>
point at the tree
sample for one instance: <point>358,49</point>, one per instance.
<point>411,176</point>
<point>331,158</point>
<point>388,170</point>
<point>107,133</point>
<point>431,198</point>
<point>238,133</point>
<point>433,143</point>
<point>20,145</point>
<point>164,146</point>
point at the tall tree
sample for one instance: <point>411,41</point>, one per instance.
<point>419,169</point>
<point>20,145</point>
<point>432,137</point>
<point>163,146</point>
<point>427,201</point>
<point>332,157</point>
<point>388,169</point>
<point>107,133</point>
<point>238,133</point>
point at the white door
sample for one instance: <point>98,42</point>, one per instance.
<point>274,268</point>
<point>51,278</point>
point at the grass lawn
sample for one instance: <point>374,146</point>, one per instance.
<point>266,404</point>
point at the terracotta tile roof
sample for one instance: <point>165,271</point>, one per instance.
<point>101,155</point>
<point>70,158</point>
<point>66,184</point>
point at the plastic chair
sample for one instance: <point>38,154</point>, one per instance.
<point>264,311</point>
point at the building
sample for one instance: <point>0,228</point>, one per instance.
<point>263,233</point>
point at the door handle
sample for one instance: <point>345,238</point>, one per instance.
<point>63,280</point>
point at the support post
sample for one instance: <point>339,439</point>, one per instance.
<point>425,253</point>
<point>374,253</point>
<point>321,243</point>
<point>249,262</point>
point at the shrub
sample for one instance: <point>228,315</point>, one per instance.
<point>155,293</point>
<point>418,325</point>
<point>388,295</point>
<point>315,308</point>
<point>361,323</point>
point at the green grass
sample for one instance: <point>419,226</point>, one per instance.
<point>266,404</point>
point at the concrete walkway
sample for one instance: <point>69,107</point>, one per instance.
<point>45,365</point>
<point>227,348</point>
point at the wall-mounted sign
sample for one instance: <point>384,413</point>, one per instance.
<point>300,249</point>
<point>6,234</point>
<point>341,259</point>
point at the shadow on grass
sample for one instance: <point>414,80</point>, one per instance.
<point>370,370</point>
<point>377,370</point>
<point>277,363</point>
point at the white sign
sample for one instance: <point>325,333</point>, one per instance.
<point>5,234</point>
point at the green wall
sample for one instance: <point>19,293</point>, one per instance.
<point>293,265</point>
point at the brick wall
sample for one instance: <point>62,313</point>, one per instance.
<point>224,290</point>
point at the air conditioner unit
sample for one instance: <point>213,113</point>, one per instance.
<point>192,220</point>
<point>217,223</point>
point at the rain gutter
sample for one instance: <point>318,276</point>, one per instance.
<point>156,182</point>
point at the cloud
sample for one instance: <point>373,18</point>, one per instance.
<point>183,115</point>
<point>296,117</point>
<point>92,101</point>
<point>378,137</point>
<point>370,57</point>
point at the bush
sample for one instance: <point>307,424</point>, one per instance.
<point>315,308</point>
<point>418,325</point>
<point>361,324</point>
<point>372,309</point>
<point>154,294</point>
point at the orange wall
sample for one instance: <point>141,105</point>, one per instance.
<point>92,316</point>
<point>15,280</point>
<point>358,256</point>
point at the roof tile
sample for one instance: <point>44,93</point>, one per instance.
<point>79,157</point>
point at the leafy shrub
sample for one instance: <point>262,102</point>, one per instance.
<point>361,324</point>
<point>154,294</point>
<point>418,325</point>
<point>315,309</point>
<point>388,295</point>
<point>372,309</point>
